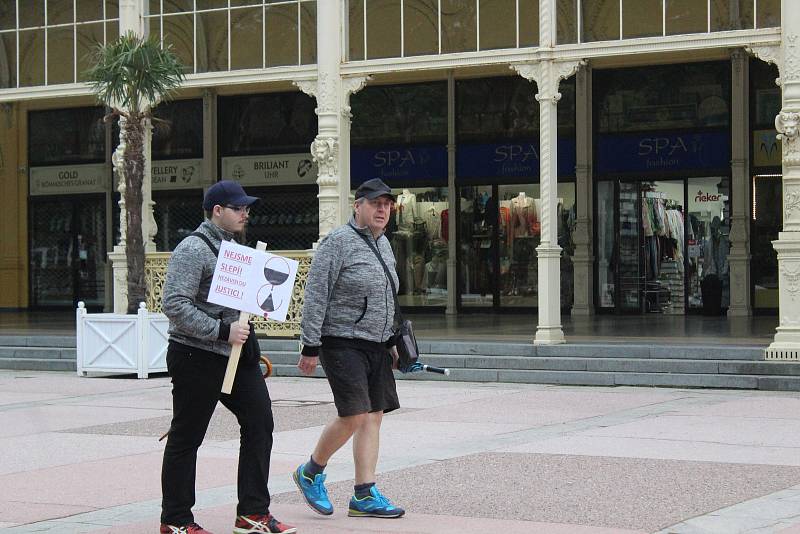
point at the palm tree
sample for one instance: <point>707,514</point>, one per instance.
<point>131,76</point>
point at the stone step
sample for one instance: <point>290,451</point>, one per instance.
<point>588,378</point>
<point>42,353</point>
<point>38,364</point>
<point>565,363</point>
<point>37,341</point>
<point>583,350</point>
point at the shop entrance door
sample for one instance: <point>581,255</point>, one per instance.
<point>67,252</point>
<point>642,246</point>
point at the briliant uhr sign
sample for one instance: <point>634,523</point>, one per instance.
<point>253,281</point>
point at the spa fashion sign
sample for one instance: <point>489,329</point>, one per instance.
<point>253,281</point>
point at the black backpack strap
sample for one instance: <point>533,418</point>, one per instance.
<point>397,312</point>
<point>205,238</point>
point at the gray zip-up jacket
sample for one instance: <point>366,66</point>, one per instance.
<point>347,293</point>
<point>193,320</point>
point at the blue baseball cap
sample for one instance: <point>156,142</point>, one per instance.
<point>226,193</point>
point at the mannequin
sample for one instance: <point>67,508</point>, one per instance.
<point>523,215</point>
<point>406,208</point>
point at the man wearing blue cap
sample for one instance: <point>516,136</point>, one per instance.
<point>200,338</point>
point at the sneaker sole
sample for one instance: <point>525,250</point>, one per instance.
<point>357,513</point>
<point>310,505</point>
<point>292,530</point>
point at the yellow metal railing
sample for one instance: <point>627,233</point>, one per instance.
<point>155,274</point>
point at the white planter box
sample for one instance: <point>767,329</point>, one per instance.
<point>120,343</point>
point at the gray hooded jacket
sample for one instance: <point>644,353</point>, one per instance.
<point>347,293</point>
<point>194,321</point>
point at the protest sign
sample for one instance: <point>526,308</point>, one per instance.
<point>253,281</point>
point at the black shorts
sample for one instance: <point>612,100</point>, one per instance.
<point>360,375</point>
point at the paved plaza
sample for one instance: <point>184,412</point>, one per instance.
<point>82,455</point>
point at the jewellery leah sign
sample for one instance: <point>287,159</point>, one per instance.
<point>253,281</point>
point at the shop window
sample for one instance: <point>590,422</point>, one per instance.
<point>519,233</point>
<point>599,20</point>
<point>400,114</point>
<point>641,99</point>
<point>273,123</point>
<point>766,223</point>
<point>768,14</point>
<point>765,95</point>
<point>177,215</point>
<point>286,218</point>
<point>418,233</point>
<point>642,18</point>
<point>708,244</point>
<point>66,136</point>
<point>502,31</point>
<point>685,16</point>
<point>731,15</point>
<point>178,130</point>
<point>567,22</point>
<point>59,12</point>
<point>492,108</point>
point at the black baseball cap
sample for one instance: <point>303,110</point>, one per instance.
<point>226,193</point>
<point>372,189</point>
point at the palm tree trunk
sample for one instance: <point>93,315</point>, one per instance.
<point>133,136</point>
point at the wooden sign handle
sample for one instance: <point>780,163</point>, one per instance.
<point>236,349</point>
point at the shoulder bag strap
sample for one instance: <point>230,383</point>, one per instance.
<point>374,249</point>
<point>205,238</point>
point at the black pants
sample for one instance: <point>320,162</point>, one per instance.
<point>196,387</point>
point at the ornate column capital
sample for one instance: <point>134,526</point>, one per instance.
<point>547,75</point>
<point>350,86</point>
<point>772,54</point>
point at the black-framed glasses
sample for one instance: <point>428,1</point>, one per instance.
<point>239,209</point>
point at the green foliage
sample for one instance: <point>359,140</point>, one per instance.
<point>133,73</point>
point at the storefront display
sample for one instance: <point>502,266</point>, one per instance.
<point>497,173</point>
<point>399,135</point>
<point>68,184</point>
<point>264,144</point>
<point>662,225</point>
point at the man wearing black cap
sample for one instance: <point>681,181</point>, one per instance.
<point>200,338</point>
<point>348,315</point>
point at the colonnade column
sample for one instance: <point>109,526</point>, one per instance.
<point>787,337</point>
<point>548,74</point>
<point>739,256</point>
<point>583,259</point>
<point>331,147</point>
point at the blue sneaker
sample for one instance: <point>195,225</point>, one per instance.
<point>313,491</point>
<point>373,505</point>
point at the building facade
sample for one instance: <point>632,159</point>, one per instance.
<point>562,156</point>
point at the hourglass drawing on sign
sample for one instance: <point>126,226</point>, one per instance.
<point>276,272</point>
